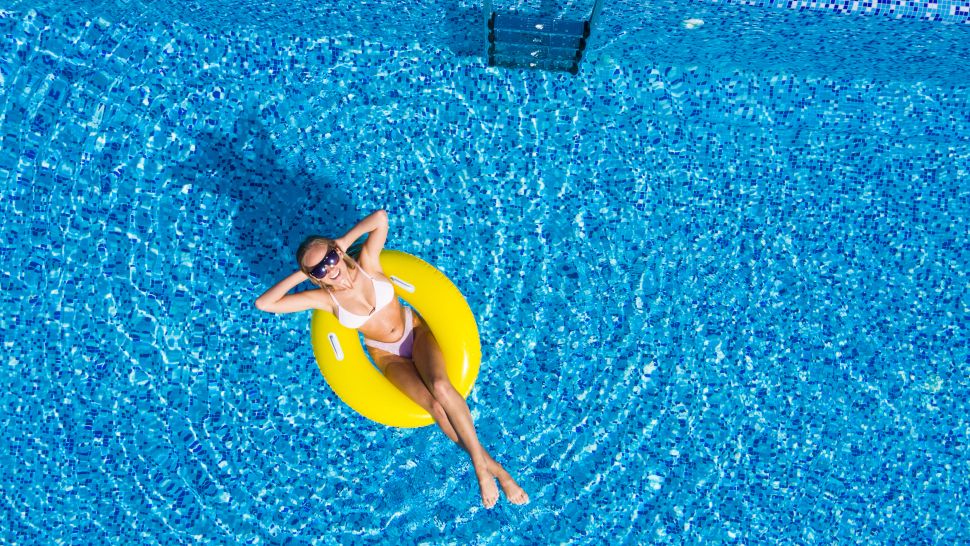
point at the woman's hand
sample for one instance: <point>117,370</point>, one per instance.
<point>375,225</point>
<point>373,222</point>
<point>342,244</point>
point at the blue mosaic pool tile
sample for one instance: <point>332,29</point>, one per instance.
<point>731,288</point>
<point>946,10</point>
<point>957,11</point>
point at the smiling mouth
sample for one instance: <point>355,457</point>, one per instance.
<point>336,274</point>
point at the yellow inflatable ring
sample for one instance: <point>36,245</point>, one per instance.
<point>347,369</point>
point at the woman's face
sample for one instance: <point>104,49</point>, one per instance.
<point>326,267</point>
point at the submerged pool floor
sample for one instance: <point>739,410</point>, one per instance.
<point>718,304</point>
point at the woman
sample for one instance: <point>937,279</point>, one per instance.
<point>401,344</point>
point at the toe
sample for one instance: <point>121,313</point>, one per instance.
<point>489,501</point>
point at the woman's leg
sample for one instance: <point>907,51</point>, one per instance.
<point>402,374</point>
<point>431,366</point>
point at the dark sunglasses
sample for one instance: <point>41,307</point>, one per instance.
<point>319,271</point>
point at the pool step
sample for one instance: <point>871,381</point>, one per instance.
<point>523,41</point>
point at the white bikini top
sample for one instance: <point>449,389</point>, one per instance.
<point>383,294</point>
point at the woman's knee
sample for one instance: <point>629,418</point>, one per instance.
<point>442,389</point>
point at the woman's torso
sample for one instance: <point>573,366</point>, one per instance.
<point>370,307</point>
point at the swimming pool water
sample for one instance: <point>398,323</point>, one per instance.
<point>722,291</point>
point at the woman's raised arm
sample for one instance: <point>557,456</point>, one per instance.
<point>376,225</point>
<point>277,299</point>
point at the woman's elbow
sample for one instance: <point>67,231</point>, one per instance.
<point>262,305</point>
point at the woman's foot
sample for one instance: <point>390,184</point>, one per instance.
<point>512,490</point>
<point>486,482</point>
